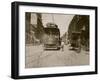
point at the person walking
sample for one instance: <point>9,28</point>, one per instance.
<point>62,46</point>
<point>79,45</point>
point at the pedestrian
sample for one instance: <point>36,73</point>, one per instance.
<point>79,45</point>
<point>62,46</point>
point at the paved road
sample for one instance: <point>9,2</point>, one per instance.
<point>37,57</point>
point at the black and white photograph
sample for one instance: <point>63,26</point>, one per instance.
<point>50,40</point>
<point>53,40</point>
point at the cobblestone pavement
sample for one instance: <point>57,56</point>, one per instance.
<point>37,57</point>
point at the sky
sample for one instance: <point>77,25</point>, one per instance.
<point>62,20</point>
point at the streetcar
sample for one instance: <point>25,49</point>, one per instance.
<point>52,37</point>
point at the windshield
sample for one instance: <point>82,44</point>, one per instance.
<point>52,31</point>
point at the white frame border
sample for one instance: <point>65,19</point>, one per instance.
<point>53,70</point>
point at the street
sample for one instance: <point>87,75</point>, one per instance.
<point>36,57</point>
